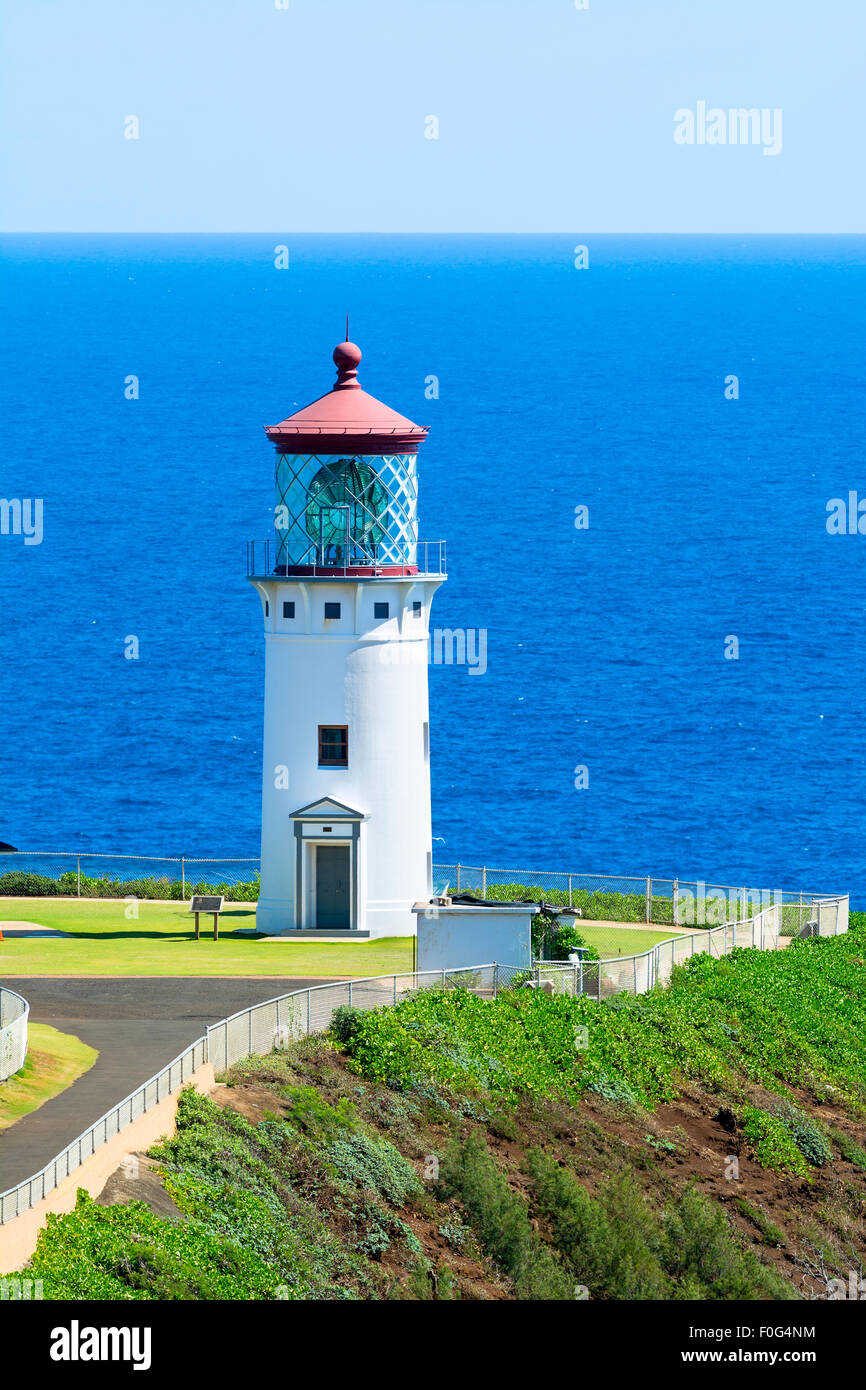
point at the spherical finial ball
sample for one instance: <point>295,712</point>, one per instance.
<point>347,356</point>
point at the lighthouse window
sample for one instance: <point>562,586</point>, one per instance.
<point>332,610</point>
<point>416,608</point>
<point>267,608</point>
<point>333,745</point>
<point>289,609</point>
<point>380,610</point>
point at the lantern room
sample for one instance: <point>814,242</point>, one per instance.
<point>347,485</point>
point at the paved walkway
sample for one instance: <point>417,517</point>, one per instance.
<point>138,1026</point>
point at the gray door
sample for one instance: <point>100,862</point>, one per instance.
<point>332,887</point>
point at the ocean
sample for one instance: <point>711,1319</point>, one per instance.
<point>558,389</point>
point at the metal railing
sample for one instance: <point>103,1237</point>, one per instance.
<point>153,872</point>
<point>26,1194</point>
<point>275,1022</point>
<point>265,561</point>
<point>253,1031</point>
<point>636,974</point>
<point>14,1014</point>
<point>649,899</point>
<point>652,900</point>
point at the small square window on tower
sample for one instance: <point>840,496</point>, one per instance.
<point>381,610</point>
<point>289,608</point>
<point>333,745</point>
<point>332,610</point>
<point>416,607</point>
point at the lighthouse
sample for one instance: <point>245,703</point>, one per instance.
<point>346,587</point>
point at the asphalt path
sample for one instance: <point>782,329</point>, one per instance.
<point>138,1026</point>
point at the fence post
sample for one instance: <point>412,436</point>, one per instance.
<point>395,989</point>
<point>649,898</point>
<point>183,880</point>
<point>569,890</point>
<point>676,899</point>
<point>635,975</point>
<point>458,878</point>
<point>78,875</point>
<point>350,994</point>
<point>484,881</point>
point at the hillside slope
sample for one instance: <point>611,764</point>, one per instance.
<point>705,1141</point>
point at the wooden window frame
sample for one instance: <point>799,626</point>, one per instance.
<point>333,762</point>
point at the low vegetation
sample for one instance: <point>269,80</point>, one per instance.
<point>700,1142</point>
<point>20,883</point>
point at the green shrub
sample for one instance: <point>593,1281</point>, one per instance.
<point>620,1247</point>
<point>346,1024</point>
<point>809,1138</point>
<point>309,1112</point>
<point>772,1143</point>
<point>796,1017</point>
<point>21,883</point>
<point>370,1162</point>
<point>501,1219</point>
<point>848,1147</point>
<point>126,1252</point>
<point>705,1261</point>
<point>770,1234</point>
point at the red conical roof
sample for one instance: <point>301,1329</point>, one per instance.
<point>346,418</point>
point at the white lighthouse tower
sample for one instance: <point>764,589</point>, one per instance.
<point>346,589</point>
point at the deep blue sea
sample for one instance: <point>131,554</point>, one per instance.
<point>558,388</point>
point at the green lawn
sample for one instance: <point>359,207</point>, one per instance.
<point>54,1061</point>
<point>161,942</point>
<point>623,941</point>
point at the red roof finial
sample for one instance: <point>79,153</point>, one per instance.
<point>346,417</point>
<point>347,356</point>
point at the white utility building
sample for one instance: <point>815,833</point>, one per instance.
<point>346,588</point>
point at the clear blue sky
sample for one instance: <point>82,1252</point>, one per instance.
<point>312,118</point>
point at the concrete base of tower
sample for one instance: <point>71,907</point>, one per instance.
<point>276,917</point>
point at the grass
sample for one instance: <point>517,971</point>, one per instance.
<point>54,1061</point>
<point>623,941</point>
<point>161,942</point>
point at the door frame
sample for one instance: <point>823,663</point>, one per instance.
<point>308,834</point>
<point>315,846</point>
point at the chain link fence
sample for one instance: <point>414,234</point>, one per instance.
<point>258,1030</point>
<point>642,899</point>
<point>86,875</point>
<point>636,974</point>
<point>276,1022</point>
<point>14,1013</point>
<point>19,1199</point>
<point>254,1031</point>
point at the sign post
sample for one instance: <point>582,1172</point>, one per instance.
<point>207,903</point>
